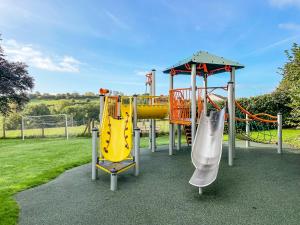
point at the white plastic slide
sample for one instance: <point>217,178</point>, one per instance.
<point>207,148</point>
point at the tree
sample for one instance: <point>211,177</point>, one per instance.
<point>37,110</point>
<point>15,82</point>
<point>290,83</point>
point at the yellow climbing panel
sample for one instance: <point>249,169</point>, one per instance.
<point>116,133</point>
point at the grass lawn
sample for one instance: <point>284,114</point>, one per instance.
<point>25,164</point>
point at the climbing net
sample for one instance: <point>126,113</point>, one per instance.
<point>259,127</point>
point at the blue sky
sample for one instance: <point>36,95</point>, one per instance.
<point>80,46</point>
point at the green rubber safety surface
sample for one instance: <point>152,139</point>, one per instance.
<point>261,188</point>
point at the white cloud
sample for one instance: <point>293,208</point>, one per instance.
<point>282,3</point>
<point>35,58</point>
<point>274,45</point>
<point>117,21</point>
<point>141,72</point>
<point>289,26</point>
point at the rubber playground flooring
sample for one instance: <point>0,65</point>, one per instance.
<point>261,188</point>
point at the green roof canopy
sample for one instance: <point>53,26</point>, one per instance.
<point>214,64</point>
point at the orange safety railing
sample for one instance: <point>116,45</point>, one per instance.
<point>180,105</point>
<point>256,117</point>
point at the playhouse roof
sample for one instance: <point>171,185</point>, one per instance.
<point>213,63</point>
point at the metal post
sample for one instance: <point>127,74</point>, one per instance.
<point>231,130</point>
<point>205,94</point>
<point>200,191</point>
<point>232,79</point>
<point>171,125</point>
<point>4,127</point>
<point>150,121</point>
<point>153,122</point>
<point>279,133</point>
<point>66,127</point>
<point>137,133</point>
<point>194,103</point>
<point>119,107</point>
<point>113,181</point>
<point>101,98</point>
<point>43,130</point>
<point>247,131</point>
<point>178,137</point>
<point>94,153</point>
<point>150,140</point>
<point>134,111</point>
<point>22,127</point>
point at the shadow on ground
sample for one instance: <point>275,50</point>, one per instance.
<point>261,188</point>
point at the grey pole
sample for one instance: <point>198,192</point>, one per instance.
<point>119,107</point>
<point>101,99</point>
<point>232,79</point>
<point>113,182</point>
<point>153,124</point>
<point>94,153</point>
<point>279,133</point>
<point>150,121</point>
<point>137,133</point>
<point>247,131</point>
<point>179,137</point>
<point>194,103</point>
<point>66,127</point>
<point>134,111</point>
<point>171,125</point>
<point>22,127</point>
<point>205,94</point>
<point>231,124</point>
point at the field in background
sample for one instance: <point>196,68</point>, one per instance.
<point>162,127</point>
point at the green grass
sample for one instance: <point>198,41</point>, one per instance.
<point>48,132</point>
<point>290,137</point>
<point>33,162</point>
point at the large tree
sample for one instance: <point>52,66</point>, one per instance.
<point>15,82</point>
<point>290,83</point>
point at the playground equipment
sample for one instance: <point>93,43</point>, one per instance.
<point>187,108</point>
<point>207,149</point>
<point>118,118</point>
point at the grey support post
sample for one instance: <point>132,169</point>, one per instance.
<point>279,133</point>
<point>194,103</point>
<point>94,153</point>
<point>153,122</point>
<point>232,79</point>
<point>66,127</point>
<point>134,111</point>
<point>119,107</point>
<point>22,127</point>
<point>231,130</point>
<point>113,181</point>
<point>101,99</point>
<point>205,94</point>
<point>137,133</point>
<point>247,131</point>
<point>179,137</point>
<point>171,125</point>
<point>100,118</point>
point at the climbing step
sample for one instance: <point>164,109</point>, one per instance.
<point>188,132</point>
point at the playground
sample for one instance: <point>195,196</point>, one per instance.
<point>218,163</point>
